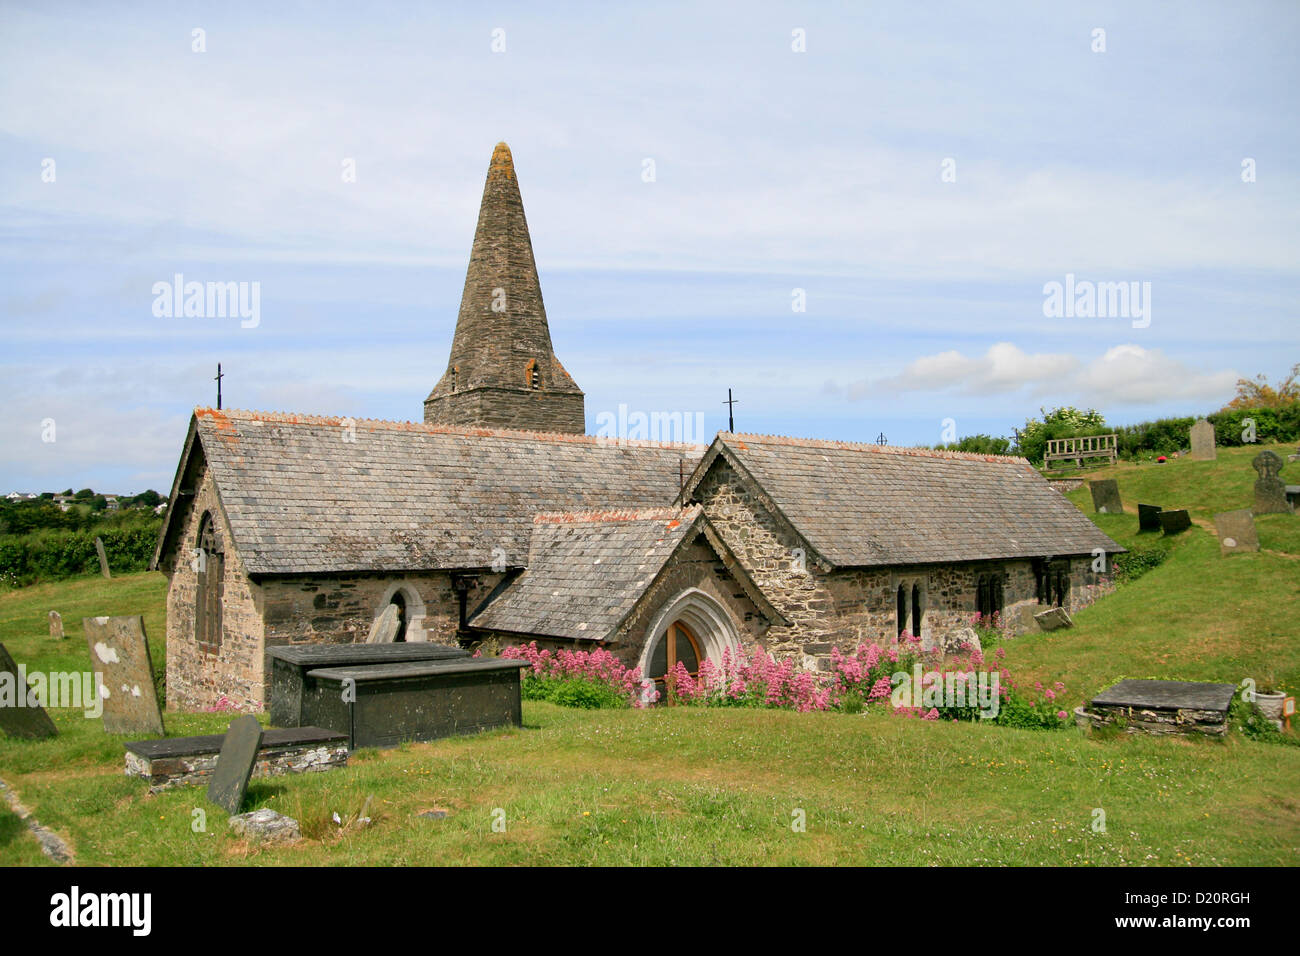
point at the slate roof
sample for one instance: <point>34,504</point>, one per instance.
<point>587,571</point>
<point>872,505</point>
<point>405,497</point>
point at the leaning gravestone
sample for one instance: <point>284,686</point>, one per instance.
<point>1105,497</point>
<point>119,656</point>
<point>1053,618</point>
<point>385,627</point>
<point>1270,490</point>
<point>103,558</point>
<point>1236,531</point>
<point>1203,441</point>
<point>56,626</point>
<point>235,764</point>
<point>21,715</point>
<point>1175,522</point>
<point>1149,517</point>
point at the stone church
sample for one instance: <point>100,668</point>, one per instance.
<point>498,518</point>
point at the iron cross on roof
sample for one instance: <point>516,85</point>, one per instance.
<point>218,379</point>
<point>731,404</point>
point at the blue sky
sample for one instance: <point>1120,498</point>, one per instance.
<point>775,170</point>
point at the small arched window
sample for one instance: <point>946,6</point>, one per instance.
<point>988,595</point>
<point>210,562</point>
<point>453,373</point>
<point>531,374</point>
<point>916,610</point>
<point>902,611</point>
<point>400,603</point>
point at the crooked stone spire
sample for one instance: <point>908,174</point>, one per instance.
<point>502,372</point>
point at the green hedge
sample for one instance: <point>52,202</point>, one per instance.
<point>48,555</point>
<point>1168,435</point>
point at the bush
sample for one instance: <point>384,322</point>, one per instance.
<point>580,678</point>
<point>49,555</point>
<point>1137,561</point>
<point>980,445</point>
<point>572,692</point>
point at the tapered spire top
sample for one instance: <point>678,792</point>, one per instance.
<point>503,164</point>
<point>502,372</point>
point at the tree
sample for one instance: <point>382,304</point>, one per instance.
<point>1257,393</point>
<point>98,503</point>
<point>1063,422</point>
<point>148,499</point>
<point>84,493</point>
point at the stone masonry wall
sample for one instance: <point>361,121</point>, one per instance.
<point>197,679</point>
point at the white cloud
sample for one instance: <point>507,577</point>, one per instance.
<point>1123,375</point>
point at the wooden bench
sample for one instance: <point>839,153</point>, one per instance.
<point>178,761</point>
<point>1079,449</point>
<point>291,662</point>
<point>382,705</point>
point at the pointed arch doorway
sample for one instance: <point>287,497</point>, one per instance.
<point>691,628</point>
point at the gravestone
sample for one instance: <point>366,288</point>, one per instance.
<point>1203,441</point>
<point>382,705</point>
<point>266,826</point>
<point>1295,457</point>
<point>1270,490</point>
<point>21,715</point>
<point>1163,707</point>
<point>1149,517</point>
<point>119,656</point>
<point>1236,531</point>
<point>385,627</point>
<point>290,664</point>
<point>1105,497</point>
<point>103,558</point>
<point>56,626</point>
<point>1175,522</point>
<point>1053,618</point>
<point>235,764</point>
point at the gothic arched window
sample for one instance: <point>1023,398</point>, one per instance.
<point>211,565</point>
<point>902,611</point>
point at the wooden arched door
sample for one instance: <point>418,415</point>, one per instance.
<point>678,644</point>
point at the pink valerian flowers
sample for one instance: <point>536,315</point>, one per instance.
<point>599,666</point>
<point>854,680</point>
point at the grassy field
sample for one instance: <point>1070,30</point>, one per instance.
<point>687,786</point>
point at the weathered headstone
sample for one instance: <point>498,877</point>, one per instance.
<point>1163,707</point>
<point>1175,522</point>
<point>1236,531</point>
<point>103,558</point>
<point>1149,517</point>
<point>1270,490</point>
<point>266,826</point>
<point>56,626</point>
<point>235,764</point>
<point>1203,441</point>
<point>385,627</point>
<point>1053,618</point>
<point>1295,457</point>
<point>1105,497</point>
<point>21,714</point>
<point>119,656</point>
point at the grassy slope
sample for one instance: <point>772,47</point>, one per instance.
<point>688,786</point>
<point>1199,616</point>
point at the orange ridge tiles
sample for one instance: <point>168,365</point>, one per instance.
<point>222,418</point>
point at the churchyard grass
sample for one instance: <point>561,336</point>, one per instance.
<point>724,786</point>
